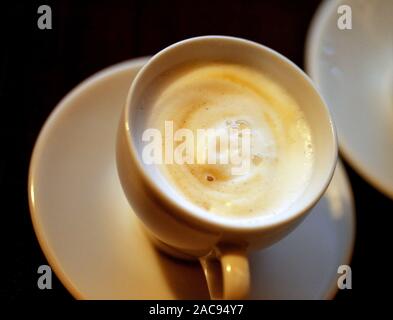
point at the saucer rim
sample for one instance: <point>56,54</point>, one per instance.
<point>40,144</point>
<point>313,38</point>
<point>331,293</point>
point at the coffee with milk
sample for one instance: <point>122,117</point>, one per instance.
<point>226,96</point>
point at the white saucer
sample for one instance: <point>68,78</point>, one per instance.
<point>354,72</point>
<point>97,247</point>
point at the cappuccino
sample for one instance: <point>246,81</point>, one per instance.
<point>233,98</point>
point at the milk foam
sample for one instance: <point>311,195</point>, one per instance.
<point>221,95</point>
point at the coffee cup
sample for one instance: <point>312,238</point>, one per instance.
<point>185,230</point>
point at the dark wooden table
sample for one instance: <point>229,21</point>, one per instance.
<point>38,67</point>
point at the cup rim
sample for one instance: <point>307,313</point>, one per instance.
<point>196,215</point>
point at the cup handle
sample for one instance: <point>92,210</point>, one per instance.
<point>228,274</point>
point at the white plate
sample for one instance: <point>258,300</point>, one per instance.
<point>95,244</point>
<point>354,72</point>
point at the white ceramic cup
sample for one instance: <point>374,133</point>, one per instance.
<point>185,230</point>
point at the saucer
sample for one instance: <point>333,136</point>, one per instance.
<point>354,72</point>
<point>99,250</point>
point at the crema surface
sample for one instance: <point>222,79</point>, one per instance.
<point>223,96</point>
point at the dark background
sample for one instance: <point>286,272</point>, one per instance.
<point>38,67</point>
